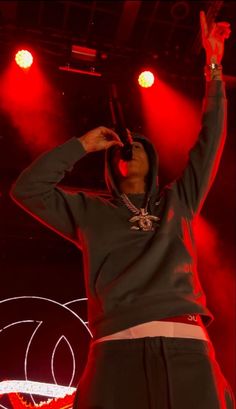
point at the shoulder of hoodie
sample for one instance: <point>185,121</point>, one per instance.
<point>169,189</point>
<point>101,196</point>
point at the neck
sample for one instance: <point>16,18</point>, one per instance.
<point>133,185</point>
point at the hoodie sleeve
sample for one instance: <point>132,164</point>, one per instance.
<point>36,190</point>
<point>204,157</point>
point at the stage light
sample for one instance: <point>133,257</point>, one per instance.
<point>24,59</point>
<point>146,79</point>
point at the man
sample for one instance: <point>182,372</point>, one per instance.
<point>146,307</point>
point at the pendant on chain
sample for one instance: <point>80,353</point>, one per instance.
<point>145,221</point>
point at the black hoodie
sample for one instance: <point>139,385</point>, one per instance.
<point>132,276</point>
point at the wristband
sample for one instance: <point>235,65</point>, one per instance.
<point>212,70</point>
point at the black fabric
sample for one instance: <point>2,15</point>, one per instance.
<point>153,373</point>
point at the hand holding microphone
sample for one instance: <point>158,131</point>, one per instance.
<point>100,138</point>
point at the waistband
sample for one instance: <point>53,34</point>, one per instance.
<point>192,319</point>
<point>190,327</point>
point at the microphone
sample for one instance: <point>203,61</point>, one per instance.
<point>126,150</point>
<point>119,124</point>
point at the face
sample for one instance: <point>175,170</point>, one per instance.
<point>138,166</point>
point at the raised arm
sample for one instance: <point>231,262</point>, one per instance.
<point>205,156</point>
<point>36,189</point>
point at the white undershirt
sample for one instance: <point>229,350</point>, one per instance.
<point>159,329</point>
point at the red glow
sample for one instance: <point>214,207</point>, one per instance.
<point>146,79</point>
<point>172,123</point>
<point>217,276</point>
<point>18,402</point>
<point>33,106</point>
<point>170,215</point>
<point>123,167</point>
<point>24,59</point>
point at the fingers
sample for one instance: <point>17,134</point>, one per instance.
<point>99,138</point>
<point>227,34</point>
<point>223,24</point>
<point>203,23</point>
<point>129,135</point>
<point>109,134</point>
<point>109,138</point>
<point>213,29</point>
<point>221,30</point>
<point>112,143</point>
<point>114,135</point>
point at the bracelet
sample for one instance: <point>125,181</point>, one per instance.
<point>214,66</point>
<point>212,70</point>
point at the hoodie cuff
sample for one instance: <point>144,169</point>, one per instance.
<point>215,88</point>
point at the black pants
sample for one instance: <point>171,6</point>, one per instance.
<point>153,373</point>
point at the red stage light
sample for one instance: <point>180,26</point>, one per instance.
<point>146,79</point>
<point>24,59</point>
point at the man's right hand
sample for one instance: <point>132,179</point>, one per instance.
<point>99,138</point>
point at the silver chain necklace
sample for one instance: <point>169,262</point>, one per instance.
<point>144,220</point>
